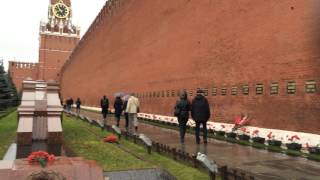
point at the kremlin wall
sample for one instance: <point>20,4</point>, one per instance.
<point>257,57</point>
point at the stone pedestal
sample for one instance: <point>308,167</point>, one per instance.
<point>62,167</point>
<point>39,119</point>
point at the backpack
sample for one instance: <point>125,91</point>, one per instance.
<point>104,102</point>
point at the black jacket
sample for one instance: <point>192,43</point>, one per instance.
<point>200,110</point>
<point>118,105</point>
<point>183,106</point>
<point>104,103</point>
<point>125,103</point>
<point>78,103</point>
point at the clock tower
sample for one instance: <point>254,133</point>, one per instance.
<point>58,38</point>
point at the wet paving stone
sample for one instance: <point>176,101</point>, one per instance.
<point>261,163</point>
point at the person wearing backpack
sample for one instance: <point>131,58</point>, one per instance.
<point>181,111</point>
<point>104,103</point>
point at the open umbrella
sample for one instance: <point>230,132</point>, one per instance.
<point>119,94</point>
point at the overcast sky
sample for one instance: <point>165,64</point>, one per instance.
<point>20,20</point>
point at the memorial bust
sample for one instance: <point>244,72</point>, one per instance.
<point>45,175</point>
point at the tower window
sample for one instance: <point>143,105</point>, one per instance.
<point>311,86</point>
<point>274,88</point>
<point>291,87</point>
<point>162,93</point>
<point>168,93</point>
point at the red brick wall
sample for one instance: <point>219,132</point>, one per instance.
<point>54,51</point>
<point>150,46</point>
<point>20,71</point>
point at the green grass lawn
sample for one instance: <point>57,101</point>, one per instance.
<point>86,141</point>
<point>8,128</point>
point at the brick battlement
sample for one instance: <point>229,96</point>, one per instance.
<point>22,65</point>
<point>20,71</point>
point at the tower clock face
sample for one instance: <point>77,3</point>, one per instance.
<point>60,10</point>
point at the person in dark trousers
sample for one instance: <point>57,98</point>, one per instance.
<point>118,105</point>
<point>125,103</point>
<point>71,103</point>
<point>68,104</point>
<point>104,103</point>
<point>200,113</point>
<point>181,111</point>
<point>78,106</point>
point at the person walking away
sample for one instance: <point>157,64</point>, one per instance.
<point>118,104</point>
<point>71,103</point>
<point>67,104</point>
<point>181,111</point>
<point>104,103</point>
<point>132,110</point>
<point>200,113</point>
<point>125,103</point>
<point>78,106</point>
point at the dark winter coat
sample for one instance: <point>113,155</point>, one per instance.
<point>104,103</point>
<point>78,103</point>
<point>125,105</point>
<point>118,105</point>
<point>200,110</point>
<point>183,107</point>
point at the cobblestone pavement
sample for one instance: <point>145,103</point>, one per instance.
<point>262,163</point>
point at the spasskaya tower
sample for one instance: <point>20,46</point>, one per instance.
<point>58,37</point>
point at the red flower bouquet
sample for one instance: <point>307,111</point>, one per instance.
<point>41,157</point>
<point>111,139</point>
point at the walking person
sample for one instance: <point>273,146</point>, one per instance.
<point>68,102</point>
<point>104,103</point>
<point>181,111</point>
<point>118,105</point>
<point>132,109</point>
<point>200,113</point>
<point>71,103</point>
<point>78,106</point>
<point>124,108</point>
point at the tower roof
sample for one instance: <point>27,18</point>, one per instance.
<point>67,2</point>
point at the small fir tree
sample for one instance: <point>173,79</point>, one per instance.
<point>4,90</point>
<point>15,99</point>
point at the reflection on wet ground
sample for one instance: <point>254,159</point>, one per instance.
<point>263,164</point>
